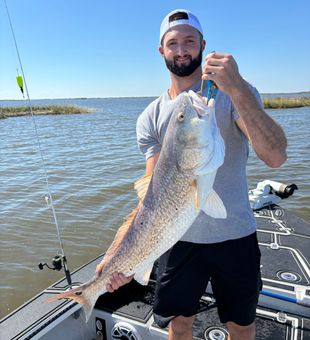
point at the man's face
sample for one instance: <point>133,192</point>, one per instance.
<point>182,48</point>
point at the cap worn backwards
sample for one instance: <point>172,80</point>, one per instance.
<point>179,17</point>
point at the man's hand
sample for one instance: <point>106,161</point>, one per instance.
<point>265,135</point>
<point>223,70</point>
<point>116,280</point>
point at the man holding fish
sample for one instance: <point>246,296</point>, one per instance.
<point>221,250</point>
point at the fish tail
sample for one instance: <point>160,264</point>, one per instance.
<point>89,304</point>
<point>73,294</point>
<point>80,296</point>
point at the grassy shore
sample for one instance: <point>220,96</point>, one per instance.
<point>6,112</point>
<point>285,103</point>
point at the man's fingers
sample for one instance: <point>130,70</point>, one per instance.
<point>214,62</point>
<point>122,279</point>
<point>117,280</point>
<point>208,69</point>
<point>217,55</point>
<point>209,76</point>
<point>98,270</point>
<point>110,288</point>
<point>224,61</point>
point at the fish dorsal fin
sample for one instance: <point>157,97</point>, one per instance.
<point>141,186</point>
<point>121,234</point>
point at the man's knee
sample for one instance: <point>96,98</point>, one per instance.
<point>241,332</point>
<point>182,325</point>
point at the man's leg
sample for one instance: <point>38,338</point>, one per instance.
<point>180,284</point>
<point>181,328</point>
<point>237,332</point>
<point>236,285</point>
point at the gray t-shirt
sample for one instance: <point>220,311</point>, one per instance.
<point>230,182</point>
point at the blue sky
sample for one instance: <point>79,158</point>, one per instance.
<point>100,48</point>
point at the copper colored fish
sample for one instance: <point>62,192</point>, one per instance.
<point>169,200</point>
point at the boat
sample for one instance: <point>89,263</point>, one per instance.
<point>282,313</point>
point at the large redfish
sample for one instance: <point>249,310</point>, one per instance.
<point>169,200</point>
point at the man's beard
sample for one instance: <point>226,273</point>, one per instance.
<point>184,70</point>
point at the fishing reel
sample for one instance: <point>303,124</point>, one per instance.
<point>269,192</point>
<point>58,262</point>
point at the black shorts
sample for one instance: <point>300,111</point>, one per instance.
<point>233,267</point>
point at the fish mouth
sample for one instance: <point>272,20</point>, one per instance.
<point>198,104</point>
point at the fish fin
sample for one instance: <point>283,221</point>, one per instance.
<point>81,296</point>
<point>143,276</point>
<point>214,206</point>
<point>204,187</point>
<point>89,306</point>
<point>72,294</point>
<point>141,186</point>
<point>121,234</point>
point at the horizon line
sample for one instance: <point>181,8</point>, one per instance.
<point>126,97</point>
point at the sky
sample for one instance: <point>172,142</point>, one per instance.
<point>99,48</point>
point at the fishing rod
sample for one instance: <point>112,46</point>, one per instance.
<point>208,88</point>
<point>300,298</point>
<point>59,260</point>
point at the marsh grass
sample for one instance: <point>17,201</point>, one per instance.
<point>285,103</point>
<point>6,112</point>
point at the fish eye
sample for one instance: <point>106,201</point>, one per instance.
<point>181,116</point>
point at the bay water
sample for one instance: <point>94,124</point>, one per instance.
<point>92,161</point>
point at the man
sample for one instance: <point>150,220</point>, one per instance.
<point>224,252</point>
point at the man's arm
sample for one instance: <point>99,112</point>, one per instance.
<point>265,135</point>
<point>150,164</point>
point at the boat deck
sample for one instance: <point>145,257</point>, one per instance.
<point>284,244</point>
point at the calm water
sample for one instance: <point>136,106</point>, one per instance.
<point>92,161</point>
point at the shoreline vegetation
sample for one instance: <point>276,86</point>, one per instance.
<point>285,103</point>
<point>6,112</point>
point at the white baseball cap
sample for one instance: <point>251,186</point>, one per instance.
<point>179,17</point>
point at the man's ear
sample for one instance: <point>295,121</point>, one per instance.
<point>203,44</point>
<point>161,50</point>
